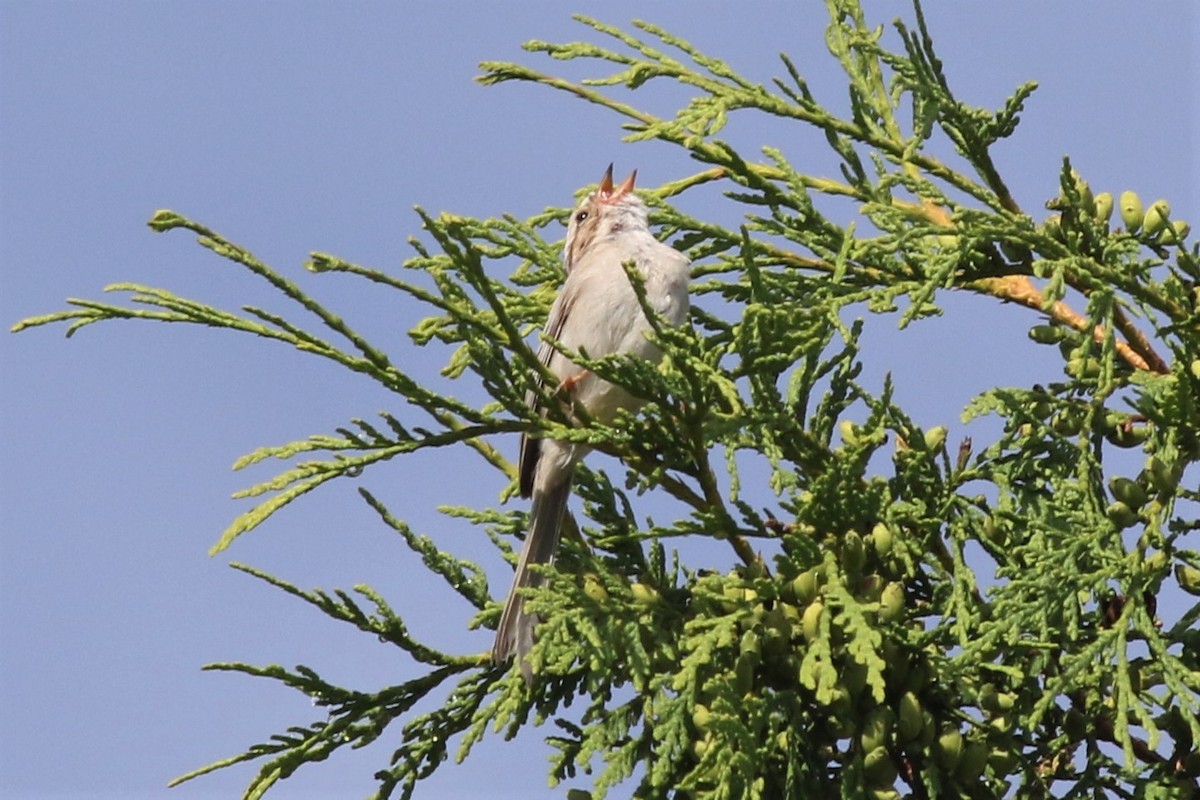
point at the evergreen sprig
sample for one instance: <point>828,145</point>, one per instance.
<point>903,614</point>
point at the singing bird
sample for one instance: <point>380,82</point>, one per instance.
<point>598,314</point>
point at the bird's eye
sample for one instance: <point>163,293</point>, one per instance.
<point>581,216</point>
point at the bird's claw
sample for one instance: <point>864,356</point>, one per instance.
<point>568,384</point>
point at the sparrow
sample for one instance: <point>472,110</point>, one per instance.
<point>598,314</point>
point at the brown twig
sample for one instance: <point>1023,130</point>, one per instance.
<point>1020,289</point>
<point>1139,343</point>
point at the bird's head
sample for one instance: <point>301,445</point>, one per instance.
<point>606,211</point>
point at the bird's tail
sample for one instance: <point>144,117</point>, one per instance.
<point>515,632</point>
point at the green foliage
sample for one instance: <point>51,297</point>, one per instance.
<point>904,615</point>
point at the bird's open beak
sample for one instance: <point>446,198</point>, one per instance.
<point>608,193</point>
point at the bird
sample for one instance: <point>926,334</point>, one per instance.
<point>596,313</point>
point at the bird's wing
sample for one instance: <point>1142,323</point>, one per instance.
<point>530,447</point>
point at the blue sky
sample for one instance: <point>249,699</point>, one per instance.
<point>317,126</point>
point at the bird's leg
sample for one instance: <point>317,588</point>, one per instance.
<point>568,384</point>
